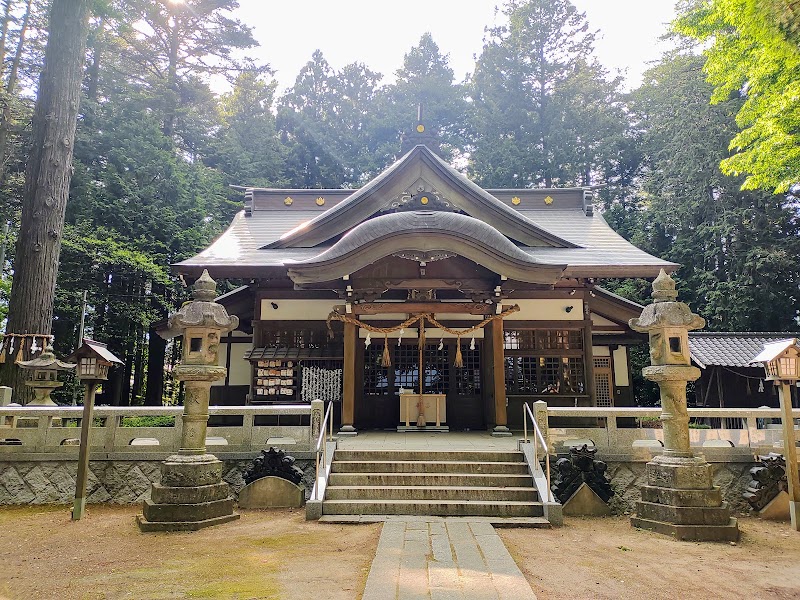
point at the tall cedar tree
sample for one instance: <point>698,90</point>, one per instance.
<point>48,175</point>
<point>543,108</point>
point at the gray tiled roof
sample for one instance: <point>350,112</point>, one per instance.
<point>730,349</point>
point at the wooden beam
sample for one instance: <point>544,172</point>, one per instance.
<point>375,308</point>
<point>349,377</point>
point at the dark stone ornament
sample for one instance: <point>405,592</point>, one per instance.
<point>580,467</point>
<point>769,480</point>
<point>273,463</point>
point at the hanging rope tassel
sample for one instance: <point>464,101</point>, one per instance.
<point>459,361</point>
<point>421,341</point>
<point>386,360</point>
<point>21,353</point>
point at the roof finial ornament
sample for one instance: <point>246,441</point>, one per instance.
<point>664,288</point>
<point>419,135</point>
<point>205,288</point>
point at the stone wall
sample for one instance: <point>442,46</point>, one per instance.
<point>627,477</point>
<point>114,482</point>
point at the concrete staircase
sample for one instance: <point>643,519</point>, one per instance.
<point>368,485</point>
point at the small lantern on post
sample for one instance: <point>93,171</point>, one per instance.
<point>42,375</point>
<point>94,360</point>
<point>781,361</point>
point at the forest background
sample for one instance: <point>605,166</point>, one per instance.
<point>699,165</point>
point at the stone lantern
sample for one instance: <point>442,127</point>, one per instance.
<point>679,498</point>
<point>191,494</point>
<point>43,375</point>
<point>781,362</point>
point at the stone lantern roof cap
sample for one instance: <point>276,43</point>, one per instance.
<point>47,360</point>
<point>201,311</point>
<point>666,311</point>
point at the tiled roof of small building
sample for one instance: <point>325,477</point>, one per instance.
<point>730,349</point>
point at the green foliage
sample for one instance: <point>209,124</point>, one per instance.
<point>543,107</point>
<point>736,247</point>
<point>155,421</point>
<point>753,52</point>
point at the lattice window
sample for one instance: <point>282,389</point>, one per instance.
<point>376,377</point>
<point>543,339</point>
<point>468,378</point>
<point>295,338</point>
<point>572,375</point>
<point>602,381</point>
<point>406,368</point>
<point>436,366</point>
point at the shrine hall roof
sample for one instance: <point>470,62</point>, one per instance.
<point>282,227</point>
<point>730,349</point>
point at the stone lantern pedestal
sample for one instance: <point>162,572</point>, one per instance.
<point>680,498</point>
<point>191,494</point>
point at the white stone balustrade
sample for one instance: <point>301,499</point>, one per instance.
<point>40,431</point>
<point>760,433</point>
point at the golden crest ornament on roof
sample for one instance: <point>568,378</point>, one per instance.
<point>288,201</point>
<point>420,128</point>
<point>548,200</point>
<point>424,200</point>
<point>516,200</point>
<point>320,201</point>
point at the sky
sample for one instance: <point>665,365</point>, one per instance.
<point>379,33</point>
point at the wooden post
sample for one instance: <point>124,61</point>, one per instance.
<point>588,353</point>
<point>790,453</point>
<point>79,507</point>
<point>498,366</point>
<point>349,379</point>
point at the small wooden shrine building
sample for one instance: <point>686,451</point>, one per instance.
<point>421,282</point>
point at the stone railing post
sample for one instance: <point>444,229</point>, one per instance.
<point>317,414</point>
<point>540,414</point>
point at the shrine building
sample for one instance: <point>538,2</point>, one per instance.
<point>422,299</point>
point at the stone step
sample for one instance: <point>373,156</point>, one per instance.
<point>426,466</point>
<point>460,508</point>
<point>431,479</point>
<point>432,493</point>
<point>485,456</point>
<point>529,522</point>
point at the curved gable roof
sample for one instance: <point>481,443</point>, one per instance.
<point>419,163</point>
<point>425,232</point>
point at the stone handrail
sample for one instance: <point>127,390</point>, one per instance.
<point>40,431</point>
<point>760,431</point>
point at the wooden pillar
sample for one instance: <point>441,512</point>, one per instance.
<point>588,353</point>
<point>499,380</point>
<point>349,379</point>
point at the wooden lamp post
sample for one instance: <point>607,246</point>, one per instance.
<point>94,360</point>
<point>781,362</point>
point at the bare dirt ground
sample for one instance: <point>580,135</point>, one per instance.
<point>607,558</point>
<point>278,555</point>
<point>265,554</point>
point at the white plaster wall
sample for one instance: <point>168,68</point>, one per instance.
<point>547,309</point>
<point>240,368</point>
<point>621,377</point>
<point>297,310</point>
<point>598,320</point>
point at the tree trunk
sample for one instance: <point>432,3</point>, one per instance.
<point>156,353</point>
<point>11,85</point>
<point>47,176</point>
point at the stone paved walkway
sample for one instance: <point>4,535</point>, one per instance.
<point>443,559</point>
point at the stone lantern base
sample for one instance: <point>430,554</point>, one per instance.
<point>680,500</point>
<point>191,496</point>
